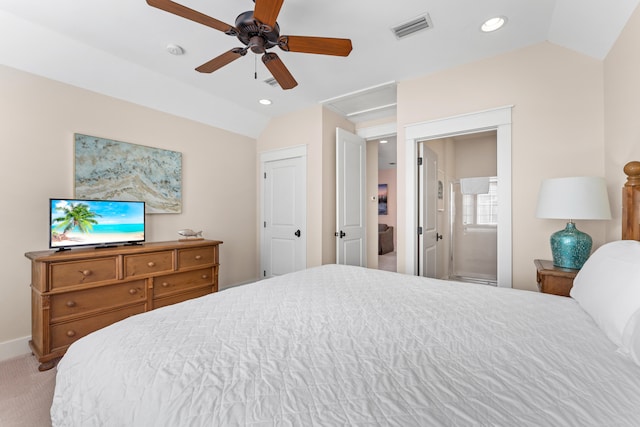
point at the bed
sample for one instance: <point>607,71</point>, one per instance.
<point>338,345</point>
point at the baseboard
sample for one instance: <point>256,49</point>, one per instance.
<point>247,282</point>
<point>14,348</point>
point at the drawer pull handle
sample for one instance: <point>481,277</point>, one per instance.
<point>71,333</point>
<point>204,276</point>
<point>133,291</point>
<point>71,303</point>
<point>165,284</point>
<point>86,273</point>
<point>198,257</point>
<point>151,264</point>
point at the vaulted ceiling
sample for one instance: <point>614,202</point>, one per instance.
<point>119,48</point>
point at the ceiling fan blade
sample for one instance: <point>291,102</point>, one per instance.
<point>319,45</point>
<point>266,11</point>
<point>279,71</point>
<point>222,60</point>
<point>185,12</point>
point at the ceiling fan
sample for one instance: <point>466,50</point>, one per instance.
<point>258,30</point>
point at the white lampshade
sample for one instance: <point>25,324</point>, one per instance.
<point>583,197</point>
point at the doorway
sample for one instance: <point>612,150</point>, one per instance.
<point>498,120</point>
<point>283,232</point>
<point>387,182</point>
<point>464,240</point>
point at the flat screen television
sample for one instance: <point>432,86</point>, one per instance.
<point>100,223</point>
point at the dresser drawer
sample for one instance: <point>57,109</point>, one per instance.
<point>174,299</point>
<point>196,257</point>
<point>64,334</point>
<point>104,297</point>
<point>172,283</point>
<point>146,264</point>
<point>73,273</point>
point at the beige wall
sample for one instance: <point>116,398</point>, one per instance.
<point>40,117</point>
<point>622,115</point>
<point>476,156</point>
<point>558,130</point>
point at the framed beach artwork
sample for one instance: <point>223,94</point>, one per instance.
<point>113,170</point>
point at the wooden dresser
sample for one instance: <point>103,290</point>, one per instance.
<point>79,291</point>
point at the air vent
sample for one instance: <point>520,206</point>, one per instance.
<point>420,23</point>
<point>271,81</point>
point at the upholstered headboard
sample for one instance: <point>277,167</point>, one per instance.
<point>631,202</point>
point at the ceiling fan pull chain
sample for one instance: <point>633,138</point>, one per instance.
<point>255,67</point>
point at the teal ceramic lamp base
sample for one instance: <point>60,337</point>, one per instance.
<point>570,247</point>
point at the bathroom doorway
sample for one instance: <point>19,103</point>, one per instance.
<point>498,120</point>
<point>464,204</point>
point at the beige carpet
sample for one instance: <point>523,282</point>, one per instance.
<point>25,393</point>
<point>387,261</point>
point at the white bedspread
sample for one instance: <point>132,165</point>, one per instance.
<point>337,345</point>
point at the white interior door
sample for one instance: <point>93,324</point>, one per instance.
<point>351,160</point>
<point>284,240</point>
<point>428,194</point>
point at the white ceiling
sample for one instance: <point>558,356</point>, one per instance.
<point>117,47</point>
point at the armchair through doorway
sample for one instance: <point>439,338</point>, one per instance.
<point>385,239</point>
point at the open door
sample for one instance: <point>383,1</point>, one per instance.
<point>427,195</point>
<point>351,160</point>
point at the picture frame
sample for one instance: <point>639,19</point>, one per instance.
<point>105,169</point>
<point>382,199</point>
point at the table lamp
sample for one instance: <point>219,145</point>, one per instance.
<point>572,198</point>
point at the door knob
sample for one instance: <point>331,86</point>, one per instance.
<point>438,237</point>
<point>297,233</point>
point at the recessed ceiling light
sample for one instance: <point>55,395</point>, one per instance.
<point>493,24</point>
<point>265,101</point>
<point>384,141</point>
<point>174,49</point>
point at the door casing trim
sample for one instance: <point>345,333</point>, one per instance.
<point>270,156</point>
<point>498,119</point>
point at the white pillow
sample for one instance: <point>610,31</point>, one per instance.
<point>608,288</point>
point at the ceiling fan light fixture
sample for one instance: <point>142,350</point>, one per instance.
<point>493,24</point>
<point>175,49</point>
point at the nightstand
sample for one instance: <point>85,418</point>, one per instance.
<point>552,279</point>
